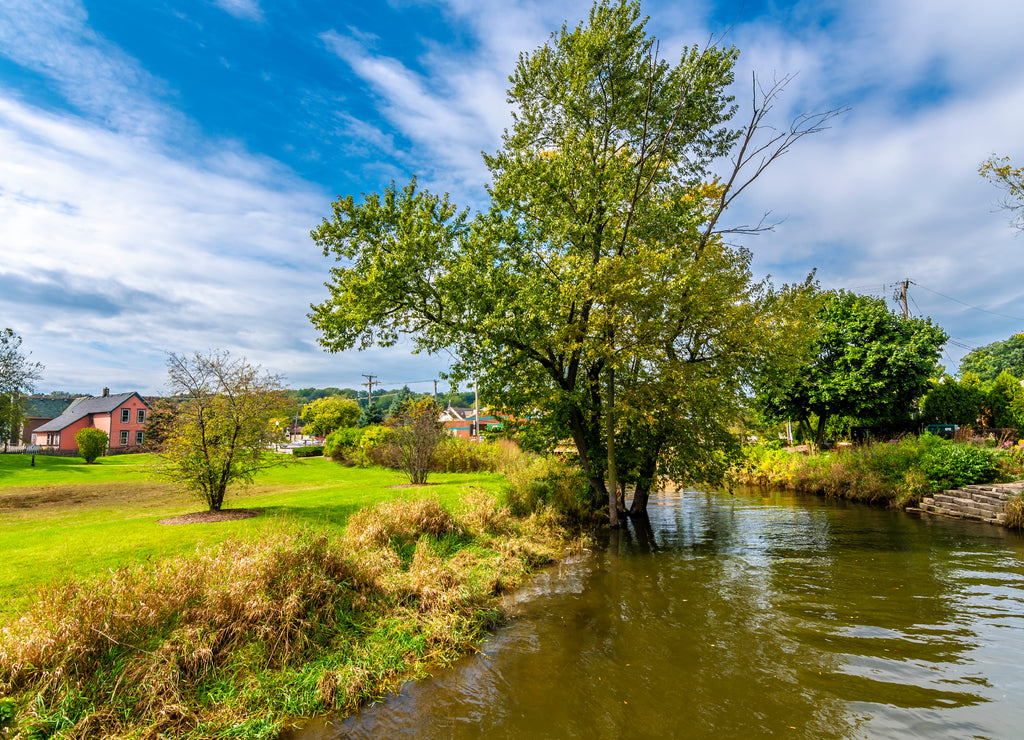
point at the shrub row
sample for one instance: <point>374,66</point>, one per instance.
<point>900,472</point>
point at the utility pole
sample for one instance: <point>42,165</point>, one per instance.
<point>370,382</point>
<point>476,407</point>
<point>435,393</point>
<point>904,286</point>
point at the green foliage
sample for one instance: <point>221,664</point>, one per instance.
<point>900,471</point>
<point>17,378</point>
<point>1001,172</point>
<point>548,482</point>
<point>308,451</point>
<point>1004,400</point>
<point>91,443</point>
<point>989,361</point>
<point>596,291</point>
<point>222,431</point>
<point>951,401</point>
<point>868,363</point>
<point>341,443</point>
<point>370,415</point>
<point>952,465</point>
<point>324,415</point>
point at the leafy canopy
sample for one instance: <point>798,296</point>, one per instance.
<point>868,362</point>
<point>1001,173</point>
<point>989,361</point>
<point>596,292</point>
<point>17,378</point>
<point>324,415</point>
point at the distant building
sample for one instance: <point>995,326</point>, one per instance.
<point>122,416</point>
<point>462,422</point>
<point>37,411</point>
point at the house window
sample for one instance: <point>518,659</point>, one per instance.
<point>126,414</point>
<point>124,436</point>
<point>52,439</point>
<point>138,436</point>
<point>140,417</point>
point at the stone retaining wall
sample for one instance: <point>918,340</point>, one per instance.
<point>976,503</point>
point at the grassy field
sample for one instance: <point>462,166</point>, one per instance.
<point>63,517</point>
<point>348,584</point>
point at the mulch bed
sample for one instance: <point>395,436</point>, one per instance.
<point>209,517</point>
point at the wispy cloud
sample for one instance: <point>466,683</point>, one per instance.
<point>249,10</point>
<point>54,39</point>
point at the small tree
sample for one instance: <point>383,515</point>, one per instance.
<point>221,431</point>
<point>371,415</point>
<point>91,443</point>
<point>17,377</point>
<point>417,433</point>
<point>324,415</point>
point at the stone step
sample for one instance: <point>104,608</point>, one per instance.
<point>967,503</point>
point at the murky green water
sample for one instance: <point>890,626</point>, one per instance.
<point>745,617</point>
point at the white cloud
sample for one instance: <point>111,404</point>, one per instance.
<point>109,240</point>
<point>55,40</point>
<point>248,10</point>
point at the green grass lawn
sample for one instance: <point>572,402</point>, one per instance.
<point>63,517</point>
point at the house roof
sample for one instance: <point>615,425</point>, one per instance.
<point>82,407</point>
<point>46,407</point>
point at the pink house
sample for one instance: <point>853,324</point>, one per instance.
<point>122,416</point>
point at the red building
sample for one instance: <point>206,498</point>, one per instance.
<point>462,422</point>
<point>122,416</point>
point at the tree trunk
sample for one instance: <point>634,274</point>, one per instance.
<point>613,475</point>
<point>579,437</point>
<point>646,480</point>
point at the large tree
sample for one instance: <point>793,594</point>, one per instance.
<point>868,362</point>
<point>597,289</point>
<point>17,378</point>
<point>989,361</point>
<point>221,430</point>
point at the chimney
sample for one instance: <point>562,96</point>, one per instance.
<point>106,392</point>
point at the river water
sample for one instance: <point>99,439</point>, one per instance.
<point>745,616</point>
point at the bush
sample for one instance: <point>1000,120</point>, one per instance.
<point>952,465</point>
<point>547,482</point>
<point>91,444</point>
<point>342,444</point>
<point>308,451</point>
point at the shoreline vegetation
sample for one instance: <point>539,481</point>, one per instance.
<point>898,473</point>
<point>287,619</point>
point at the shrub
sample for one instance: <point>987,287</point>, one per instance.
<point>91,444</point>
<point>458,455</point>
<point>548,482</point>
<point>308,451</point>
<point>342,444</point>
<point>953,465</point>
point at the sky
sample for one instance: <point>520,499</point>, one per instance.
<point>162,163</point>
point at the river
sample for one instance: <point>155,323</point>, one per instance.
<point>745,616</point>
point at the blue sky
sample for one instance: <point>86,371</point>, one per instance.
<point>162,163</point>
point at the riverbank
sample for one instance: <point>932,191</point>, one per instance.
<point>243,635</point>
<point>900,473</point>
<point>346,584</point>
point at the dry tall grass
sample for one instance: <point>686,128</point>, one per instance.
<point>200,646</point>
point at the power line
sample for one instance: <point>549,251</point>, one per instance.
<point>963,303</point>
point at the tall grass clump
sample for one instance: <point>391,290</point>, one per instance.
<point>237,638</point>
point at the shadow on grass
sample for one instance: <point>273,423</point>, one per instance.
<point>335,516</point>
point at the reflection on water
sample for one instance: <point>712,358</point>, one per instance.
<point>745,616</point>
